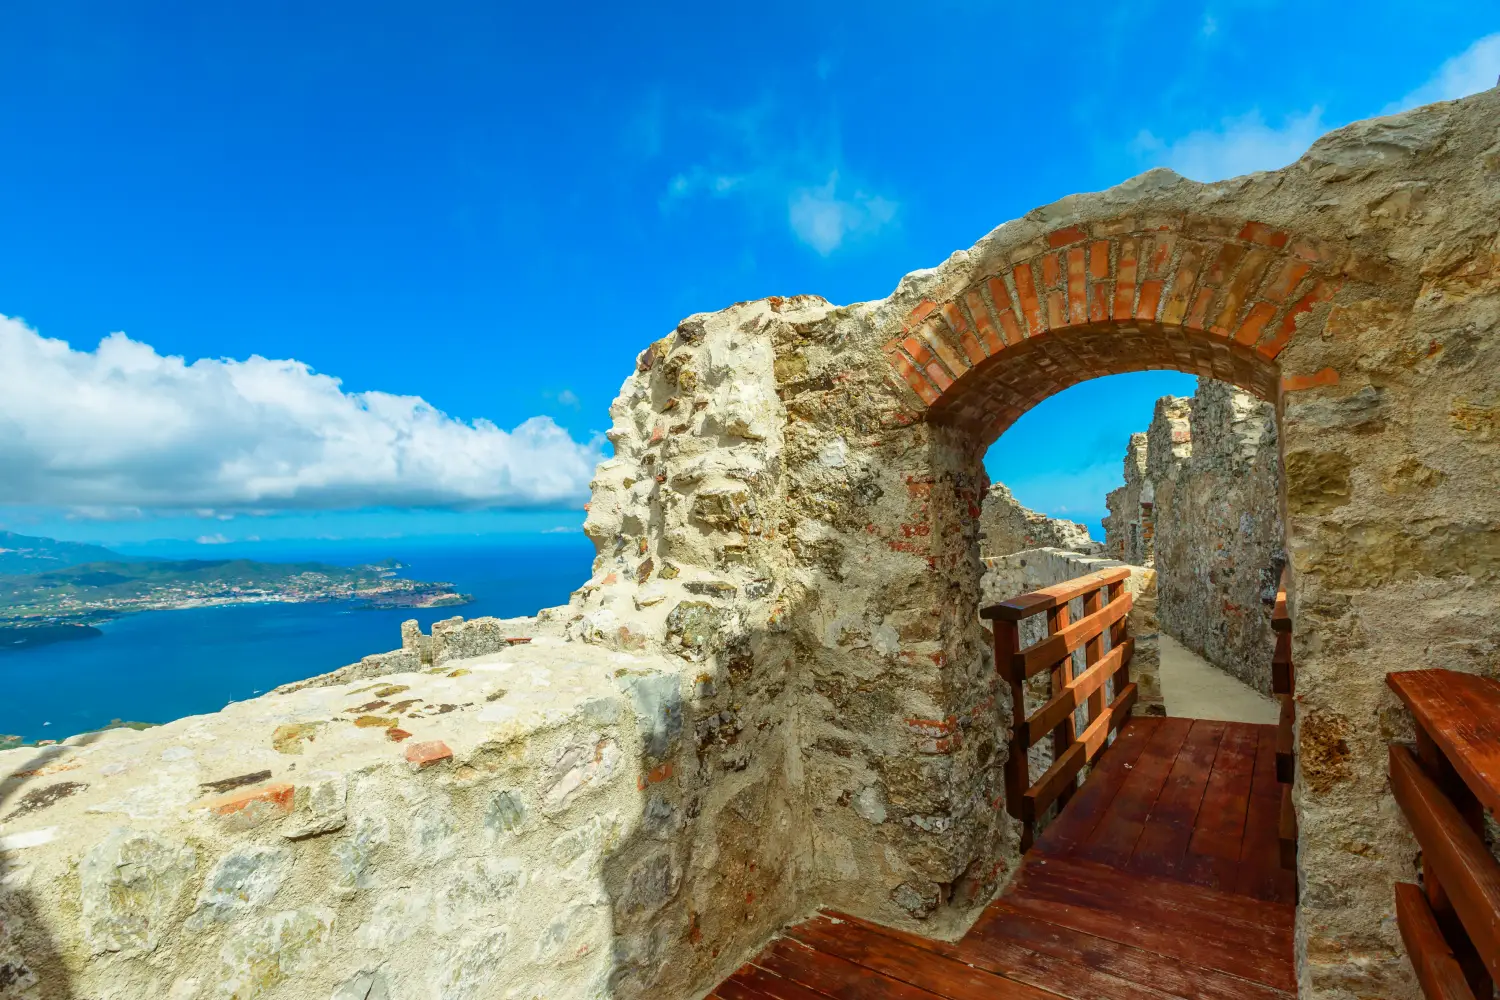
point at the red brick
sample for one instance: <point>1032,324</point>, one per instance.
<point>1125,281</point>
<point>1255,322</point>
<point>1259,232</point>
<point>278,796</point>
<point>1161,255</point>
<point>1296,383</point>
<point>1199,311</point>
<point>1150,299</point>
<point>992,341</point>
<point>921,312</point>
<point>939,377</point>
<point>943,349</point>
<point>1052,270</point>
<point>1182,286</point>
<point>1224,264</point>
<point>1026,291</point>
<point>917,348</point>
<point>1010,329</point>
<point>913,377</point>
<point>429,753</point>
<point>1288,277</point>
<point>1099,260</point>
<point>972,348</point>
<point>1078,307</point>
<point>1062,237</point>
<point>1057,310</point>
<point>1321,292</point>
<point>955,317</point>
<point>1099,301</point>
<point>397,735</point>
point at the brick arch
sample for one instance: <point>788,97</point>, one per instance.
<point>1215,297</point>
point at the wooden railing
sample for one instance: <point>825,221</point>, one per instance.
<point>1451,923</point>
<point>1284,686</point>
<point>1106,607</point>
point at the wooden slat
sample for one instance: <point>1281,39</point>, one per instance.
<point>1091,741</point>
<point>1286,743</point>
<point>1056,710</point>
<point>1170,975</point>
<point>906,958</point>
<point>750,983</point>
<point>1045,654</point>
<point>1214,852</point>
<point>1164,839</point>
<point>836,977</point>
<point>1461,712</point>
<point>1043,975</point>
<point>1469,875</point>
<point>1113,839</point>
<point>1091,803</point>
<point>1050,597</point>
<point>1437,970</point>
<point>1283,680</point>
<point>1161,916</point>
<point>1261,872</point>
<point>1286,828</point>
<point>1280,620</point>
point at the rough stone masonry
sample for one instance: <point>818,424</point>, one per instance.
<point>1201,505</point>
<point>774,691</point>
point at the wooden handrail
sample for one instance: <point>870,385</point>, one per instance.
<point>1443,788</point>
<point>1054,596</point>
<point>1453,854</point>
<point>1044,655</point>
<point>1438,971</point>
<point>1071,750</point>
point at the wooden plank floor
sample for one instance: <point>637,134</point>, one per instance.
<point>1160,879</point>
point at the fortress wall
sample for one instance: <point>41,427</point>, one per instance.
<point>507,825</point>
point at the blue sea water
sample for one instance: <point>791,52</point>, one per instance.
<point>162,665</point>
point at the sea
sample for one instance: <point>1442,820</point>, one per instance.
<point>157,666</point>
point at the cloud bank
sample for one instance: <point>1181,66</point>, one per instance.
<point>123,426</point>
<point>1473,70</point>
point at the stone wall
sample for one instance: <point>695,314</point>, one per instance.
<point>1201,504</point>
<point>787,538</point>
<point>510,825</point>
<point>1005,527</point>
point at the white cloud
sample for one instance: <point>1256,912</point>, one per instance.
<point>1471,71</point>
<point>124,427</point>
<point>751,158</point>
<point>212,540</point>
<point>1238,146</point>
<point>568,398</point>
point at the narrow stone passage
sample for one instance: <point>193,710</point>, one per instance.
<point>1193,688</point>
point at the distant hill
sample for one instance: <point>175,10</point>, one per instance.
<point>22,555</point>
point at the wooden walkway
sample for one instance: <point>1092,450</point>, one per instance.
<point>1160,879</point>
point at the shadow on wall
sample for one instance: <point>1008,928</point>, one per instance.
<point>29,957</point>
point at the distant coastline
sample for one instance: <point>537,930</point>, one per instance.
<point>68,603</point>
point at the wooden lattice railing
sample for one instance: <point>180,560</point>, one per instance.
<point>1451,922</point>
<point>1106,607</point>
<point>1284,687</point>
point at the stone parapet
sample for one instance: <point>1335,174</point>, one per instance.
<point>512,824</point>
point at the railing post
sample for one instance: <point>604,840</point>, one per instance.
<point>1118,633</point>
<point>1017,771</point>
<point>1093,649</point>
<point>1066,732</point>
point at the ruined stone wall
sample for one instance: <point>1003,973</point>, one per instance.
<point>1005,526</point>
<point>1218,530</point>
<point>506,825</point>
<point>788,532</point>
<point>1128,526</point>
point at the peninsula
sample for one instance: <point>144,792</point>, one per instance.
<point>64,602</point>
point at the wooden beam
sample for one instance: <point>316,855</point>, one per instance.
<point>1286,829</point>
<point>1461,712</point>
<point>1045,655</point>
<point>1085,685</point>
<point>1286,746</point>
<point>1437,969</point>
<point>1050,597</point>
<point>1090,742</point>
<point>1283,679</point>
<point>1456,854</point>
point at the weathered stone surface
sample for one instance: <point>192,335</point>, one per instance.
<point>1206,483</point>
<point>1005,527</point>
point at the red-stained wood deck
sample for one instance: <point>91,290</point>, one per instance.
<point>1160,879</point>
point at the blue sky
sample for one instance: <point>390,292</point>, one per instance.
<point>494,207</point>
